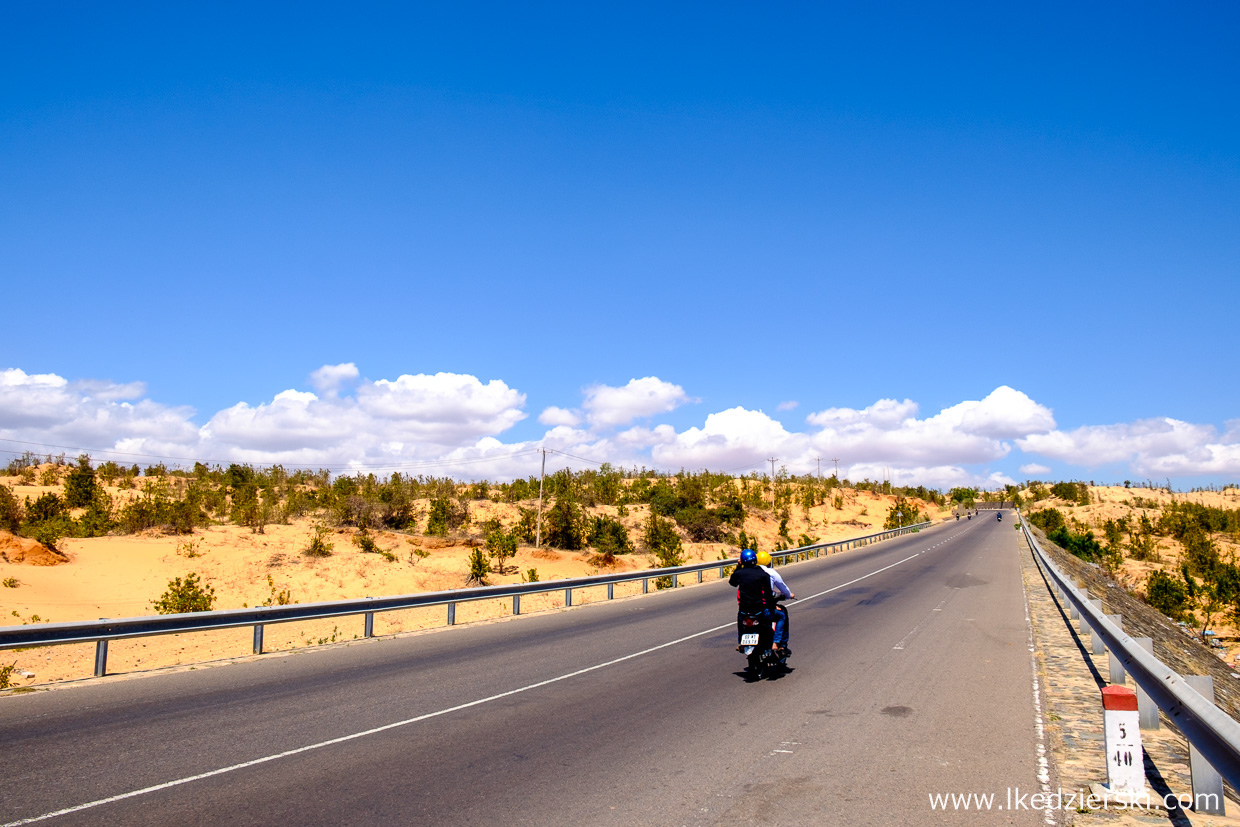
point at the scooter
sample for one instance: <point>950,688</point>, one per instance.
<point>999,517</point>
<point>757,644</point>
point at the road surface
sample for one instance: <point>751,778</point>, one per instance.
<point>911,678</point>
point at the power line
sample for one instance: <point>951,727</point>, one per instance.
<point>574,456</point>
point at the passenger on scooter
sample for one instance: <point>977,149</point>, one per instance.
<point>778,588</point>
<point>753,588</point>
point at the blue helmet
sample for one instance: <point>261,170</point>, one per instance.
<point>749,557</point>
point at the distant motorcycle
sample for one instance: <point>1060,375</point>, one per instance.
<point>999,517</point>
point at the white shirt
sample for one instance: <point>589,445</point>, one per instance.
<point>777,582</point>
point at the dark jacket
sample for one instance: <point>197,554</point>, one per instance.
<point>753,589</point>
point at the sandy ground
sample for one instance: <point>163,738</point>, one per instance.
<point>122,576</point>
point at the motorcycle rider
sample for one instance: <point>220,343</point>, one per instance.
<point>778,587</point>
<point>753,588</point>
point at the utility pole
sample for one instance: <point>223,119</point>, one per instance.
<point>819,467</point>
<point>541,475</point>
<point>836,460</point>
<point>772,461</point>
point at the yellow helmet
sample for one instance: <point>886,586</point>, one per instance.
<point>764,558</point>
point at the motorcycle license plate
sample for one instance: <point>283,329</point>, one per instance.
<point>749,640</point>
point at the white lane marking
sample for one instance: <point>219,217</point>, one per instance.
<point>345,738</point>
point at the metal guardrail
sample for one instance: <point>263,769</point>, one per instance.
<point>1213,732</point>
<point>104,630</point>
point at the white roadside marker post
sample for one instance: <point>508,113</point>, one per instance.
<point>1122,734</point>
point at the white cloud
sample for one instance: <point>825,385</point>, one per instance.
<point>456,421</point>
<point>790,405</point>
<point>607,406</point>
<point>884,414</point>
<point>969,432</point>
<point>1004,414</point>
<point>412,418</point>
<point>646,437</point>
<point>109,391</point>
<point>1151,447</point>
<point>328,379</point>
<point>559,416</point>
<point>446,408</point>
<point>732,438</point>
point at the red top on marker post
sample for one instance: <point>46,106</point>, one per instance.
<point>1119,699</point>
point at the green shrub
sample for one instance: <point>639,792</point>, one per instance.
<point>277,597</point>
<point>1048,519</point>
<point>609,537</point>
<point>11,513</point>
<point>447,514</point>
<point>903,513</point>
<point>47,507</point>
<point>188,595</point>
<point>319,547</point>
<point>1082,545</point>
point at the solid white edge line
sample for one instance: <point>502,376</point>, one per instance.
<point>343,738</point>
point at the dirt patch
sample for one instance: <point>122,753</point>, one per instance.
<point>15,549</point>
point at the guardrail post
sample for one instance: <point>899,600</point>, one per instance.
<point>1096,646</point>
<point>258,638</point>
<point>568,598</point>
<point>611,590</point>
<point>516,604</point>
<point>675,581</point>
<point>699,575</point>
<point>1145,704</point>
<point>1083,625</point>
<point>1118,676</point>
<point>368,627</point>
<point>101,658</point>
<point>645,585</point>
<point>1207,783</point>
<point>1073,612</point>
<point>451,614</point>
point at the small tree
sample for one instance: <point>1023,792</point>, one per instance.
<point>188,595</point>
<point>902,513</point>
<point>80,484</point>
<point>664,543</point>
<point>501,546</point>
<point>479,568</point>
<point>565,525</point>
<point>447,514</point>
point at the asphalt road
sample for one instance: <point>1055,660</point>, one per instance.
<point>912,677</point>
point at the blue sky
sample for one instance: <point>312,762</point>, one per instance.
<point>746,206</point>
